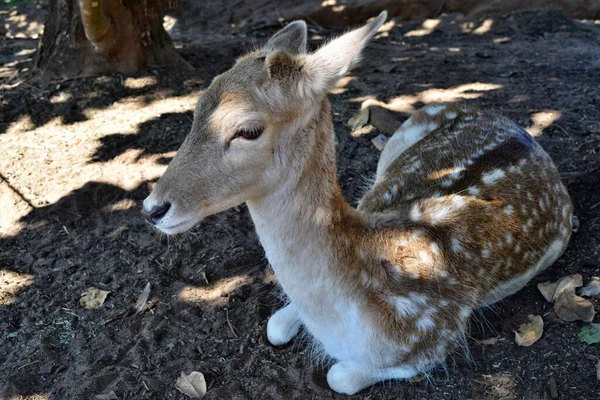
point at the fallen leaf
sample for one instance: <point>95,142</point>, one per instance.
<point>140,305</point>
<point>108,396</point>
<point>530,332</point>
<point>592,289</point>
<point>379,142</point>
<point>551,290</point>
<point>93,298</point>
<point>487,342</point>
<point>570,307</point>
<point>192,385</point>
<point>590,334</point>
<point>360,119</point>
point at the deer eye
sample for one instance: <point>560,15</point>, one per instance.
<point>249,134</point>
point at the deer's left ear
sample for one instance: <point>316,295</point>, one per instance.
<point>291,39</point>
<point>328,64</point>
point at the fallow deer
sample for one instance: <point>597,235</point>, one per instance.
<point>465,209</point>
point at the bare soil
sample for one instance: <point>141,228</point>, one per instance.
<point>78,156</point>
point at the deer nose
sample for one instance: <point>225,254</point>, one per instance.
<point>157,212</point>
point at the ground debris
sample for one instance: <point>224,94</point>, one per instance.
<point>530,332</point>
<point>487,342</point>
<point>590,334</point>
<point>192,384</point>
<point>93,298</point>
<point>592,289</point>
<point>567,305</point>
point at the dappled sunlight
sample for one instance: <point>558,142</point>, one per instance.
<point>121,205</point>
<point>428,27</point>
<point>215,294</point>
<point>139,83</point>
<point>62,97</point>
<point>34,150</point>
<point>407,103</point>
<point>11,284</point>
<point>484,27</point>
<point>542,120</point>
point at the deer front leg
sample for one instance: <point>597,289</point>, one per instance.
<point>350,378</point>
<point>283,325</point>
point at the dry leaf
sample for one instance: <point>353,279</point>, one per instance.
<point>93,298</point>
<point>140,305</point>
<point>570,307</point>
<point>530,332</point>
<point>192,385</point>
<point>551,290</point>
<point>379,142</point>
<point>592,289</point>
<point>487,342</point>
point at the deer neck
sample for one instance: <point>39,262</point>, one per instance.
<point>300,223</point>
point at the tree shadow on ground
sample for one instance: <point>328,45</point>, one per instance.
<point>161,135</point>
<point>95,236</point>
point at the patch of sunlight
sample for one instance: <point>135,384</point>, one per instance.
<point>428,26</point>
<point>11,283</point>
<point>25,52</point>
<point>388,26</point>
<point>454,49</point>
<point>406,103</point>
<point>327,3</point>
<point>384,30</point>
<point>213,293</point>
<point>541,120</point>
<point>485,27</point>
<point>504,39</point>
<point>120,205</point>
<point>60,98</point>
<point>169,22</point>
<point>139,83</point>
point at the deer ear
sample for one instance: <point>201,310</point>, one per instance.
<point>332,61</point>
<point>291,39</point>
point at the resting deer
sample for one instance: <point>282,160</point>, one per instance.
<point>466,208</point>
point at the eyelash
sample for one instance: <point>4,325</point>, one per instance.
<point>249,134</point>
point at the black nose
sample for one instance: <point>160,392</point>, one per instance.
<point>157,212</point>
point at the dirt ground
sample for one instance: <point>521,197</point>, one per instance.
<point>78,156</point>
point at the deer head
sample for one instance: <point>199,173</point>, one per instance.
<point>249,134</point>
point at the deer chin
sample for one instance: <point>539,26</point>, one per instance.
<point>178,225</point>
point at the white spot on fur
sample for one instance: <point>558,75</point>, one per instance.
<point>415,213</point>
<point>446,182</point>
<point>464,312</point>
<point>508,210</point>
<point>444,303</point>
<point>455,245</point>
<point>450,115</point>
<point>404,306</point>
<point>473,191</point>
<point>490,178</point>
<point>418,298</point>
<point>509,238</point>
<point>485,253</point>
<point>425,323</point>
<point>435,249</point>
<point>517,248</point>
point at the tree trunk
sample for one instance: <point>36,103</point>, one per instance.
<point>86,37</point>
